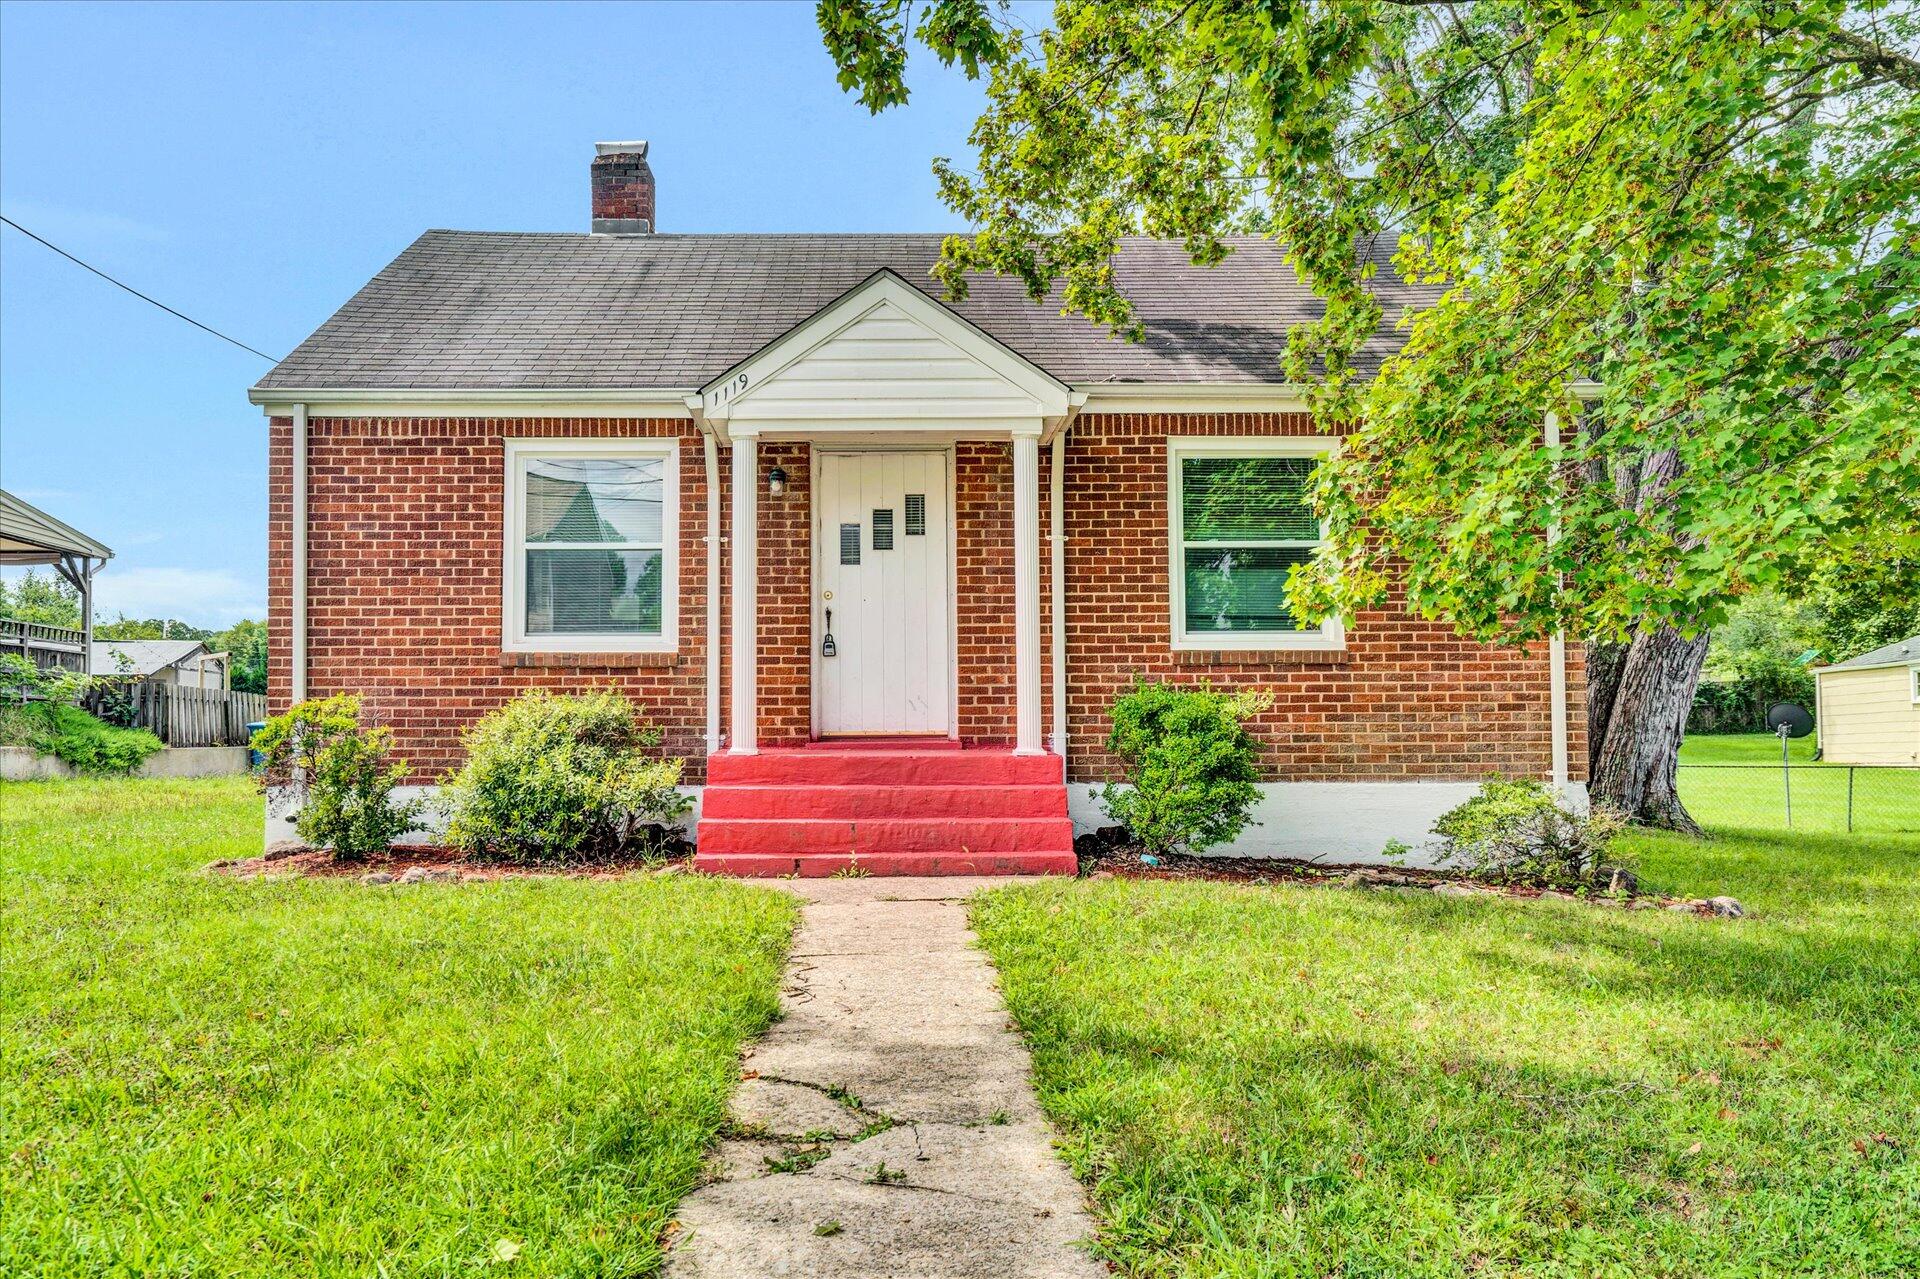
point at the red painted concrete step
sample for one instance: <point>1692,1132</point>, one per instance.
<point>886,835</point>
<point>856,802</point>
<point>887,808</point>
<point>817,866</point>
<point>849,767</point>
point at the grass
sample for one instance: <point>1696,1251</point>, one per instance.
<point>205,1076</point>
<point>1307,1082</point>
<point>1747,748</point>
<point>1735,779</point>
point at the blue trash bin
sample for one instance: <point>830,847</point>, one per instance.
<point>253,756</point>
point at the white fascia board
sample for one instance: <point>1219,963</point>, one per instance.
<point>1193,397</point>
<point>1877,666</point>
<point>1049,394</point>
<point>649,402</point>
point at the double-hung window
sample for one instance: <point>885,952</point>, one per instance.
<point>591,545</point>
<point>1241,522</point>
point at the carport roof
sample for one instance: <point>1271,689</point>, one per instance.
<point>28,535</point>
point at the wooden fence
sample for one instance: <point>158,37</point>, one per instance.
<point>182,716</point>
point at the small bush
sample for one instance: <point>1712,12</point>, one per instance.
<point>21,680</point>
<point>558,779</point>
<point>76,738</point>
<point>340,772</point>
<point>37,711</point>
<point>1516,832</point>
<point>1190,764</point>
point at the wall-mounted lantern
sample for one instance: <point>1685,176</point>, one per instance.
<point>776,482</point>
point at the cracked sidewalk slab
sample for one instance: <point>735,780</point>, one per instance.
<point>902,1106</point>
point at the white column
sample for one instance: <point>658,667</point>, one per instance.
<point>1556,647</point>
<point>746,585</point>
<point>297,620</point>
<point>86,614</point>
<point>711,447</point>
<point>1056,485</point>
<point>1026,590</point>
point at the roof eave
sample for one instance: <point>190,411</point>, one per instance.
<point>349,401</point>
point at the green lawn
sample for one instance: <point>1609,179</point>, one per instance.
<point>1311,1082</point>
<point>1735,780</point>
<point>201,1076</point>
<point>1746,748</point>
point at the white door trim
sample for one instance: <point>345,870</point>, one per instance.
<point>815,619</point>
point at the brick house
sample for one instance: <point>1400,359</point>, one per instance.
<point>877,562</point>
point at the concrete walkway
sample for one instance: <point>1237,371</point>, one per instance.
<point>887,1125</point>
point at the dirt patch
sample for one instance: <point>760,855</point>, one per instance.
<point>1105,854</point>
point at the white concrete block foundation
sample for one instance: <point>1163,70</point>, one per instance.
<point>1335,822</point>
<point>1338,822</point>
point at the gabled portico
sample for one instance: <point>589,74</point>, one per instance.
<point>883,368</point>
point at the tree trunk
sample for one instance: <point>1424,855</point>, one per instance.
<point>1605,660</point>
<point>1637,711</point>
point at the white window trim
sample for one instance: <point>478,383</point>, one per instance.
<point>1331,634</point>
<point>513,593</point>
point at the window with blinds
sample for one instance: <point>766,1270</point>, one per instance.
<point>1244,522</point>
<point>594,547</point>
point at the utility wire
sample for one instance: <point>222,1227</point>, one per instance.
<point>137,293</point>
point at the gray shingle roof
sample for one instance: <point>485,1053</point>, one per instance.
<point>1906,650</point>
<point>495,310</point>
<point>144,657</point>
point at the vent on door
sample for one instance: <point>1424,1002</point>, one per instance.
<point>916,515</point>
<point>849,543</point>
<point>882,528</point>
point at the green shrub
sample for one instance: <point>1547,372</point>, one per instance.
<point>340,772</point>
<point>558,779</point>
<point>37,711</point>
<point>23,681</point>
<point>76,738</point>
<point>1189,762</point>
<point>1517,832</point>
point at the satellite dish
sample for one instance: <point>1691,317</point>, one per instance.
<point>1789,720</point>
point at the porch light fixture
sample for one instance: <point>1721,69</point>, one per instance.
<point>776,482</point>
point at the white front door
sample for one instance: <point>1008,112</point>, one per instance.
<point>883,604</point>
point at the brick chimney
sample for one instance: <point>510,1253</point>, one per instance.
<point>622,189</point>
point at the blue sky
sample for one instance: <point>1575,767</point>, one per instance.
<point>253,165</point>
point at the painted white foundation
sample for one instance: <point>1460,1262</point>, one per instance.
<point>1344,822</point>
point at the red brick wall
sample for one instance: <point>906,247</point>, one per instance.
<point>404,554</point>
<point>983,519</point>
<point>786,599</point>
<point>405,589</point>
<point>1406,699</point>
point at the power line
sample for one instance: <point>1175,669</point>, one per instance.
<point>137,293</point>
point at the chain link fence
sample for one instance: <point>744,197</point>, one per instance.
<point>1811,797</point>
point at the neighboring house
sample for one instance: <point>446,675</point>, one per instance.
<point>29,536</point>
<point>1868,707</point>
<point>183,662</point>
<point>781,492</point>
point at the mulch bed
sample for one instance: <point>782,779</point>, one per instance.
<point>1105,856</point>
<point>288,858</point>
